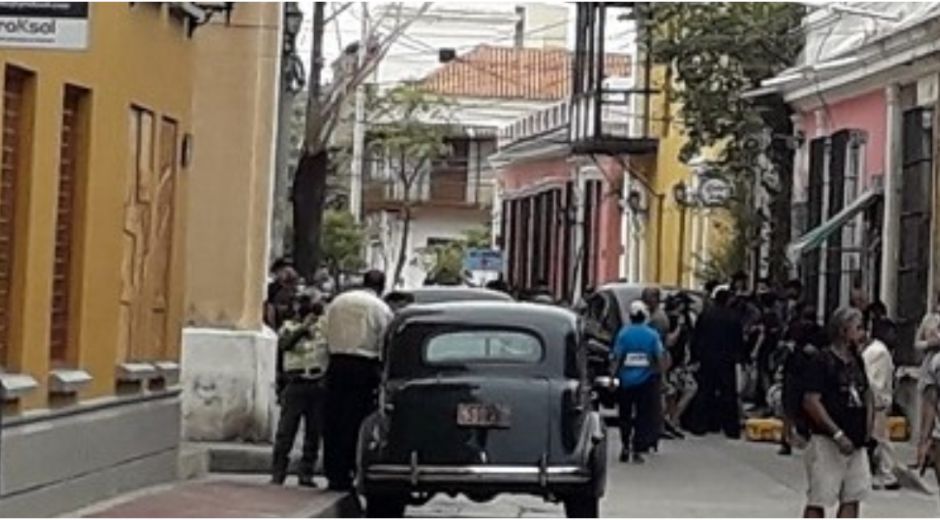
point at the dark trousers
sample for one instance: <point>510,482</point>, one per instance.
<point>718,403</point>
<point>302,399</point>
<point>351,382</point>
<point>639,426</point>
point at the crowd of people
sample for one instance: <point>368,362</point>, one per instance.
<point>765,354</point>
<point>680,367</point>
<point>328,366</point>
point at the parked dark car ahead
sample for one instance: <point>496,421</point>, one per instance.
<point>481,399</point>
<point>607,310</point>
<point>443,294</point>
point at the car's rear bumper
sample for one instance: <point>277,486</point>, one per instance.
<point>477,474</point>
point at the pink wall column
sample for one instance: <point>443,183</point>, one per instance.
<point>863,112</point>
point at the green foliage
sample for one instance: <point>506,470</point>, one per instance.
<point>342,242</point>
<point>409,130</point>
<point>717,52</point>
<point>444,262</point>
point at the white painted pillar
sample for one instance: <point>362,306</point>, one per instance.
<point>822,130</point>
<point>891,224</point>
<point>798,193</point>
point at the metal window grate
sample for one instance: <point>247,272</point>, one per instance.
<point>70,151</point>
<point>14,87</point>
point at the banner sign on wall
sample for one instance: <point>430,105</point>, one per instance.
<point>44,25</point>
<point>483,260</point>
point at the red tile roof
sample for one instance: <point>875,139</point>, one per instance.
<point>513,73</point>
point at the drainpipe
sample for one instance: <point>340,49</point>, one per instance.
<point>890,229</point>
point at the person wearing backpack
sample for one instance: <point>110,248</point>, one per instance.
<point>804,339</point>
<point>837,401</point>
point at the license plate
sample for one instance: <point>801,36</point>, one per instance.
<point>483,415</point>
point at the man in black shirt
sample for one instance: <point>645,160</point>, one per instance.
<point>717,347</point>
<point>837,402</point>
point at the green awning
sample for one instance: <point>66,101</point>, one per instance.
<point>815,237</point>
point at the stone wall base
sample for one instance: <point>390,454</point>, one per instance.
<point>53,462</point>
<point>228,385</point>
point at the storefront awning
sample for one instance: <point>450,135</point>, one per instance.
<point>815,237</point>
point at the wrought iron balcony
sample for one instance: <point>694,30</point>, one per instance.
<point>607,118</point>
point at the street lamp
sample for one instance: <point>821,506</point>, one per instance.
<point>684,200</point>
<point>635,202</point>
<point>293,19</point>
<point>680,192</point>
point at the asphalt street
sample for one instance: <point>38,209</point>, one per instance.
<point>696,477</point>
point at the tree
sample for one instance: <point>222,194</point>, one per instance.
<point>308,192</point>
<point>444,263</point>
<point>412,135</point>
<point>342,243</point>
<point>717,52</point>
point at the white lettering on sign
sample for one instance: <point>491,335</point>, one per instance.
<point>636,360</point>
<point>715,191</point>
<point>62,25</point>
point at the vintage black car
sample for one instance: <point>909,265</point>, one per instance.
<point>480,399</point>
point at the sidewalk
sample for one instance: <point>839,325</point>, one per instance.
<point>225,496</point>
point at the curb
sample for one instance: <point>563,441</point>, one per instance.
<point>346,506</point>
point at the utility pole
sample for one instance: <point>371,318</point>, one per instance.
<point>359,131</point>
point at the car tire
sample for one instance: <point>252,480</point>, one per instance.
<point>582,506</point>
<point>385,506</point>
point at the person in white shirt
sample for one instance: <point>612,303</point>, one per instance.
<point>354,325</point>
<point>879,367</point>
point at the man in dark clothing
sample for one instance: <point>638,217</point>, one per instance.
<point>838,404</point>
<point>804,339</point>
<point>771,330</point>
<point>659,321</point>
<point>793,300</point>
<point>717,346</point>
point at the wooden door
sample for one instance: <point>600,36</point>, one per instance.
<point>148,239</point>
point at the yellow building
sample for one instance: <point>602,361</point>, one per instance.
<point>228,355</point>
<point>671,242</point>
<point>96,194</point>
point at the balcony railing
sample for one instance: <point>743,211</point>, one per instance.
<point>578,122</point>
<point>389,194</point>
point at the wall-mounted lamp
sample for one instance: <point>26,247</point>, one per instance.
<point>293,18</point>
<point>186,152</point>
<point>635,202</point>
<point>680,192</point>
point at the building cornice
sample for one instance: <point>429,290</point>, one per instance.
<point>898,58</point>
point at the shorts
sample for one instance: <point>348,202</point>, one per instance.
<point>679,381</point>
<point>835,478</point>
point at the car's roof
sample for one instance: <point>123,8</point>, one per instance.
<point>494,313</point>
<point>441,294</point>
<point>625,293</point>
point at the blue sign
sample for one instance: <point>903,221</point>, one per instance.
<point>483,260</point>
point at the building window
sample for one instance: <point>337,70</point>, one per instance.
<point>917,185</point>
<point>449,175</point>
<point>17,119</point>
<point>72,155</point>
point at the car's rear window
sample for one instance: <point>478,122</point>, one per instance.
<point>483,346</point>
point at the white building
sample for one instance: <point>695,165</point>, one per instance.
<point>489,88</point>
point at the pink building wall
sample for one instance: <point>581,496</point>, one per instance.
<point>607,226</point>
<point>863,112</point>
